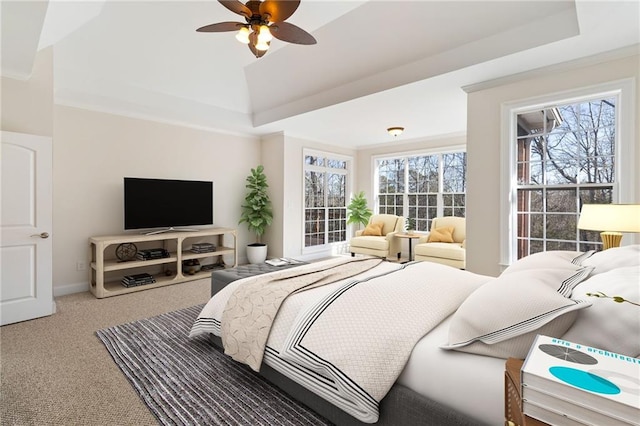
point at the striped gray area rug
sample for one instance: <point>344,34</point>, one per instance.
<point>190,382</point>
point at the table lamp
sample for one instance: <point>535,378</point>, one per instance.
<point>611,219</point>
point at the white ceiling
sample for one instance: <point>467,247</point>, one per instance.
<point>377,63</point>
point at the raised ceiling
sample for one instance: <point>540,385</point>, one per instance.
<point>376,64</point>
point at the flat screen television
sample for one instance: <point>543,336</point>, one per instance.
<point>167,203</point>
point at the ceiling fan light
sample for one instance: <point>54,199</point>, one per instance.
<point>262,45</point>
<point>264,34</point>
<point>395,131</point>
<point>243,35</point>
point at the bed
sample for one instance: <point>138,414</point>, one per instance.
<point>435,338</point>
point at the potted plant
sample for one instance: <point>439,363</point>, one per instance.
<point>410,224</point>
<point>257,213</point>
<point>357,210</point>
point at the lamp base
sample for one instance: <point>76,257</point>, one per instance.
<point>610,239</point>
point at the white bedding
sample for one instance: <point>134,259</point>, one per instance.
<point>471,384</point>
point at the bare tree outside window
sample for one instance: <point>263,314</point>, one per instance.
<point>565,158</point>
<point>422,187</point>
<point>325,201</point>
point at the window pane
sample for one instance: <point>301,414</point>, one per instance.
<point>603,195</point>
<point>562,245</point>
<point>336,164</point>
<point>564,151</point>
<point>325,200</point>
<point>562,200</point>
<point>423,174</point>
<point>336,190</point>
<point>314,189</point>
<point>536,227</point>
<point>454,172</point>
<point>562,226</point>
<point>536,246</point>
<point>391,176</point>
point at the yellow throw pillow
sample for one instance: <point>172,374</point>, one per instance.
<point>373,229</point>
<point>441,235</point>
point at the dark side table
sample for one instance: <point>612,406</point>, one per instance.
<point>410,237</point>
<point>221,277</point>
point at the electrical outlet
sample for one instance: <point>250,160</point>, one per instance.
<point>81,265</point>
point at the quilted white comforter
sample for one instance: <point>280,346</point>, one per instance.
<point>348,341</point>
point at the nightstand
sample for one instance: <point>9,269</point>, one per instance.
<point>513,396</point>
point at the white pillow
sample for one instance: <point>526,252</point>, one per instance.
<point>616,257</point>
<point>607,324</point>
<point>502,317</point>
<point>547,265</point>
<point>549,259</point>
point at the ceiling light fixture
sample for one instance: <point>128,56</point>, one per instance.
<point>395,131</point>
<point>243,35</point>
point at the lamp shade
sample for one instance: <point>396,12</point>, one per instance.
<point>610,217</point>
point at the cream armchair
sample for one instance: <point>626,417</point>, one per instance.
<point>445,243</point>
<point>378,238</point>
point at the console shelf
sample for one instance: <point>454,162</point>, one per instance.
<point>107,271</point>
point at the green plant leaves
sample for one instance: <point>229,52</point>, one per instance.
<point>257,211</point>
<point>357,210</point>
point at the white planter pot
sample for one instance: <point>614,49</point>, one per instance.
<point>256,253</point>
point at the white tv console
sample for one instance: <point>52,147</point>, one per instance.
<point>107,271</point>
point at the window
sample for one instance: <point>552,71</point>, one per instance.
<point>422,186</point>
<point>325,198</point>
<point>565,157</point>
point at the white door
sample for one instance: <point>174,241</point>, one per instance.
<point>26,289</point>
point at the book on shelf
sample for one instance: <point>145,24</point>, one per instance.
<point>208,248</point>
<point>589,385</point>
<point>149,254</point>
<point>137,283</point>
<point>203,246</point>
<point>135,280</point>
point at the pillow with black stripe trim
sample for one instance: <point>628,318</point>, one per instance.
<point>555,259</point>
<point>502,317</point>
<point>613,258</point>
<point>609,324</point>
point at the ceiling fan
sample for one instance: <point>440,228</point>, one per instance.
<point>264,21</point>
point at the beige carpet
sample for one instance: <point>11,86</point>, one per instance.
<point>55,371</point>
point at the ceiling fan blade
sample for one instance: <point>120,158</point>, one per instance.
<point>220,27</point>
<point>236,7</point>
<point>279,10</point>
<point>292,34</point>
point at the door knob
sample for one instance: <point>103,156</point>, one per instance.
<point>42,235</point>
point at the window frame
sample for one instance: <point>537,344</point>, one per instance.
<point>458,148</point>
<point>623,187</point>
<point>348,172</point>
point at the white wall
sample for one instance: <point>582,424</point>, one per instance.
<point>92,153</point>
<point>484,137</point>
<point>274,169</point>
<point>27,106</point>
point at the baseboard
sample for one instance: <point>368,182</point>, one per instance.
<point>63,290</point>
